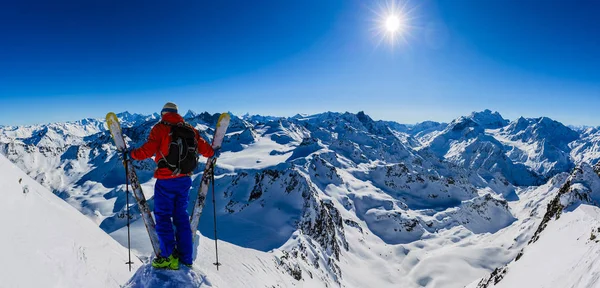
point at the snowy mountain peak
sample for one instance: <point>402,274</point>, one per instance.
<point>126,115</point>
<point>488,119</point>
<point>364,118</point>
<point>426,125</point>
<point>132,119</point>
<point>478,121</point>
<point>529,130</point>
<point>190,114</point>
<point>300,115</point>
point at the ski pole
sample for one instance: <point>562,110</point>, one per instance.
<point>128,215</point>
<point>212,176</point>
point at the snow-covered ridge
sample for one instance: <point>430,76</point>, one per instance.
<point>336,199</point>
<point>50,244</point>
<point>571,220</point>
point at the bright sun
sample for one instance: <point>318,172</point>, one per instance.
<point>392,23</point>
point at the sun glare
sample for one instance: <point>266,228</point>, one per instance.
<point>392,23</point>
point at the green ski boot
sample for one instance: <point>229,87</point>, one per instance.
<point>176,255</point>
<point>166,263</point>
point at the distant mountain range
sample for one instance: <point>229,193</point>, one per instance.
<point>338,199</point>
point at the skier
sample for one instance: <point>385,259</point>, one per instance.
<point>173,183</point>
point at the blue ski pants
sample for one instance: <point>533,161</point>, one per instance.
<point>170,209</point>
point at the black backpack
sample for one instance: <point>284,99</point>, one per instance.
<point>183,155</point>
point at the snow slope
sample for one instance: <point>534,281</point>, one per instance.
<point>564,257</point>
<point>564,251</point>
<point>240,267</point>
<point>47,243</point>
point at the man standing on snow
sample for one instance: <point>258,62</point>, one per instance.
<point>169,142</point>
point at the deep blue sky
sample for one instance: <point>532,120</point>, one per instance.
<point>66,60</point>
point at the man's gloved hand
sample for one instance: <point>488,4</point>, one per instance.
<point>217,153</point>
<point>126,154</point>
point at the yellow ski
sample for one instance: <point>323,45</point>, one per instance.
<point>112,122</point>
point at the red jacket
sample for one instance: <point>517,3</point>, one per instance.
<point>159,139</point>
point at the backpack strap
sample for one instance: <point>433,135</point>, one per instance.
<point>180,124</point>
<point>163,163</point>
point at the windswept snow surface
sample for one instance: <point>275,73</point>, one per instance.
<point>47,243</point>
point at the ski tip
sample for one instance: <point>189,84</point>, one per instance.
<point>224,115</point>
<point>112,119</point>
<point>224,118</point>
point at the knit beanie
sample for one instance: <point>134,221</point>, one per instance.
<point>169,107</point>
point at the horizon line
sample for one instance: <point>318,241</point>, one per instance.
<point>248,114</point>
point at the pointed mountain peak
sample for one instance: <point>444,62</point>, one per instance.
<point>364,118</point>
<point>299,116</point>
<point>518,125</point>
<point>548,121</point>
<point>190,114</point>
